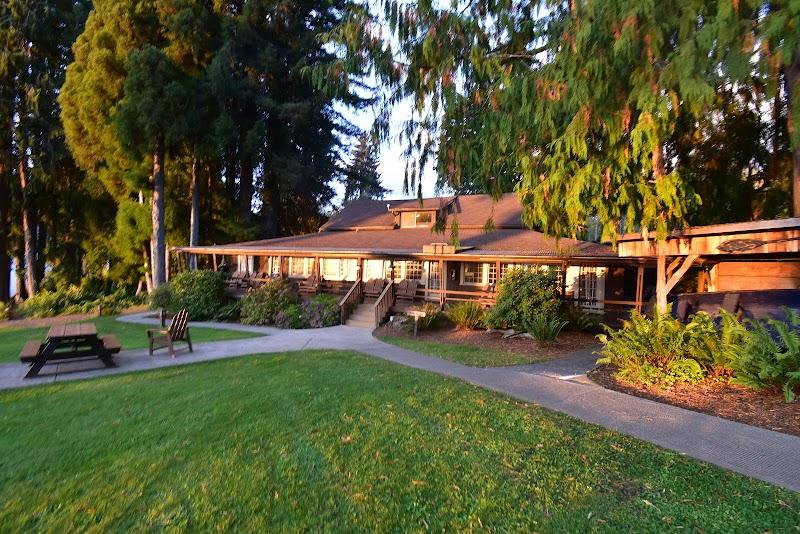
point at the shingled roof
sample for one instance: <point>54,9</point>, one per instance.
<point>471,211</point>
<point>368,226</point>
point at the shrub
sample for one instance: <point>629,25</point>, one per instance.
<point>201,293</point>
<point>769,356</point>
<point>544,327</point>
<point>260,306</point>
<point>466,315</point>
<point>432,315</point>
<point>86,298</point>
<point>321,311</point>
<point>581,320</point>
<point>4,313</point>
<point>522,295</point>
<point>229,312</point>
<point>290,317</point>
<point>661,350</point>
<point>161,297</point>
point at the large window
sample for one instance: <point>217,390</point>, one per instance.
<point>339,269</point>
<point>301,267</point>
<point>412,270</point>
<point>474,274</point>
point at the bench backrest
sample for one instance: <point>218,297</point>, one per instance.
<point>177,327</point>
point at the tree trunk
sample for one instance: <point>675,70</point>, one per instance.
<point>246,191</point>
<point>147,279</point>
<point>5,212</point>
<point>19,271</point>
<point>158,240</point>
<point>27,230</point>
<point>791,80</point>
<point>271,206</point>
<point>194,218</point>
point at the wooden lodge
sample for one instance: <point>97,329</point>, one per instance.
<point>387,253</point>
<point>392,244</point>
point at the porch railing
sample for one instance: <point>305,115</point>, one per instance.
<point>384,303</point>
<point>352,298</point>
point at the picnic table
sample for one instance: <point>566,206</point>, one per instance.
<point>68,342</point>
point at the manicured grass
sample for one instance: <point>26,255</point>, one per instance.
<point>132,336</point>
<point>336,441</point>
<point>466,354</point>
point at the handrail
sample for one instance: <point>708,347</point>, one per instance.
<point>384,303</point>
<point>353,297</point>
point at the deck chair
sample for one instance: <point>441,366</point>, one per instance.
<point>309,285</point>
<point>237,279</point>
<point>407,289</point>
<point>178,330</point>
<point>374,287</point>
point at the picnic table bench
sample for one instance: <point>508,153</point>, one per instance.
<point>69,342</point>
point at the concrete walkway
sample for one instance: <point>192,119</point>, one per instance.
<point>762,454</point>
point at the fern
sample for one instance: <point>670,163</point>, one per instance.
<point>544,327</point>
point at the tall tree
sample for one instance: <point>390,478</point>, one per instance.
<point>361,177</point>
<point>36,38</point>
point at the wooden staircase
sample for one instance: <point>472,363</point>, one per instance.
<point>363,316</point>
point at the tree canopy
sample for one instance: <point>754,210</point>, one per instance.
<point>619,109</point>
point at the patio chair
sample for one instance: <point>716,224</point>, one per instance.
<point>258,279</point>
<point>374,287</point>
<point>309,285</point>
<point>178,330</point>
<point>407,289</point>
<point>237,280</point>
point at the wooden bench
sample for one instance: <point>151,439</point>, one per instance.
<point>30,351</point>
<point>111,343</point>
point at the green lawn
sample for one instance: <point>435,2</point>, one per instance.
<point>132,336</point>
<point>466,354</point>
<point>336,441</point>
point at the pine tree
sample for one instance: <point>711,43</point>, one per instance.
<point>361,178</point>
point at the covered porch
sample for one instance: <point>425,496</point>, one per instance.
<point>440,273</point>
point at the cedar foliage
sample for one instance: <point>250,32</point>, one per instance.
<point>634,112</point>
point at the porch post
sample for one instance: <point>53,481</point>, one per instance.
<point>661,283</point>
<point>445,275</point>
<point>639,286</point>
<point>214,258</point>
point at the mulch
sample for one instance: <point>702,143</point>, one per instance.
<point>567,342</point>
<point>765,409</point>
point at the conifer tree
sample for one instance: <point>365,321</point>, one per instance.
<point>361,178</point>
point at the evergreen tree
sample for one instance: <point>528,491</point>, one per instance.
<point>361,178</point>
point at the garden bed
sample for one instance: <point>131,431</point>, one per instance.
<point>484,348</point>
<point>765,409</point>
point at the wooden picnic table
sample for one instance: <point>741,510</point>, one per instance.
<point>71,341</point>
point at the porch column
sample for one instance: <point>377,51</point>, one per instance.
<point>661,283</point>
<point>639,286</point>
<point>444,275</point>
<point>214,259</point>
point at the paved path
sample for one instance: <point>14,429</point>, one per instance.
<point>762,454</point>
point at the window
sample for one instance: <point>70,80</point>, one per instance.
<point>339,269</point>
<point>591,287</point>
<point>413,270</point>
<point>416,219</point>
<point>474,274</point>
<point>434,277</point>
<point>492,280</point>
<point>300,267</point>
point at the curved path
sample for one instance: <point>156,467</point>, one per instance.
<point>557,385</point>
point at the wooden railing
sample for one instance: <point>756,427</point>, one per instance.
<point>351,299</point>
<point>384,303</point>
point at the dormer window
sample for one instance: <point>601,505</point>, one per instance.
<point>416,219</point>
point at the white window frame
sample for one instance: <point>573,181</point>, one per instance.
<point>338,269</point>
<point>484,274</point>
